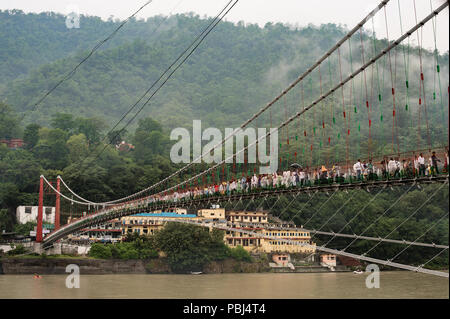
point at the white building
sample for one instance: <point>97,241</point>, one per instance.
<point>26,214</point>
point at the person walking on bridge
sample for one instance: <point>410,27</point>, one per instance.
<point>434,164</point>
<point>392,167</point>
<point>421,161</point>
<point>357,167</point>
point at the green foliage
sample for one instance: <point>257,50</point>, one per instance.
<point>6,221</point>
<point>240,254</point>
<point>31,136</point>
<point>9,124</point>
<point>133,247</point>
<point>63,121</point>
<point>189,247</point>
<point>18,250</point>
<point>24,229</point>
<point>100,251</point>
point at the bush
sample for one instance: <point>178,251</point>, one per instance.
<point>100,251</point>
<point>148,254</point>
<point>240,254</point>
<point>18,250</point>
<point>188,247</point>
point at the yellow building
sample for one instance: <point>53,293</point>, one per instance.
<point>215,214</point>
<point>247,217</point>
<point>295,235</point>
<point>148,223</point>
<point>176,210</point>
<point>253,243</point>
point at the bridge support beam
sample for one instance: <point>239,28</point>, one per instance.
<point>57,203</point>
<point>40,211</point>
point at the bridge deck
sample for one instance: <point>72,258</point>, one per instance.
<point>111,213</point>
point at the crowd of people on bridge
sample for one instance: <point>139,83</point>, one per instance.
<point>296,176</point>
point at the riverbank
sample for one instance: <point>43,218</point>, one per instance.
<point>31,265</point>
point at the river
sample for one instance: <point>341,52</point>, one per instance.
<point>394,284</point>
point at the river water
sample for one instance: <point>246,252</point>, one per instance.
<point>396,284</point>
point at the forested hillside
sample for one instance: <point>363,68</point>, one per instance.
<point>233,72</point>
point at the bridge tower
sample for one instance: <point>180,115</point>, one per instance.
<point>40,210</point>
<point>57,203</point>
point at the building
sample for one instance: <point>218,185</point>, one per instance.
<point>176,210</point>
<point>124,147</point>
<point>149,223</point>
<point>215,213</point>
<point>263,243</point>
<point>247,217</point>
<point>328,260</point>
<point>281,259</point>
<point>12,143</point>
<point>257,222</point>
<point>26,214</point>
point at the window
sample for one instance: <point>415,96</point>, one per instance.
<point>28,210</point>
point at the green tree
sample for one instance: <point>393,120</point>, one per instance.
<point>188,247</point>
<point>91,128</point>
<point>63,121</point>
<point>51,148</point>
<point>31,136</point>
<point>24,229</point>
<point>240,254</point>
<point>77,147</point>
<point>9,123</point>
<point>100,251</point>
<point>7,220</point>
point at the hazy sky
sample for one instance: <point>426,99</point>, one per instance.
<point>300,12</point>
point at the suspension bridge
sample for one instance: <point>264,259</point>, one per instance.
<point>341,119</point>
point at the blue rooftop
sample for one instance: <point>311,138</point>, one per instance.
<point>166,215</point>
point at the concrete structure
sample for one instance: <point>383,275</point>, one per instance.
<point>26,214</point>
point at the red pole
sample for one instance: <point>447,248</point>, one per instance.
<point>40,209</point>
<point>57,204</point>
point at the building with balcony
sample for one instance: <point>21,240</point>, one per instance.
<point>149,223</point>
<point>262,242</point>
<point>214,214</point>
<point>247,217</point>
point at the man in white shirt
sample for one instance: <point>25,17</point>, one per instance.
<point>421,161</point>
<point>392,166</point>
<point>416,166</point>
<point>302,177</point>
<point>357,167</point>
